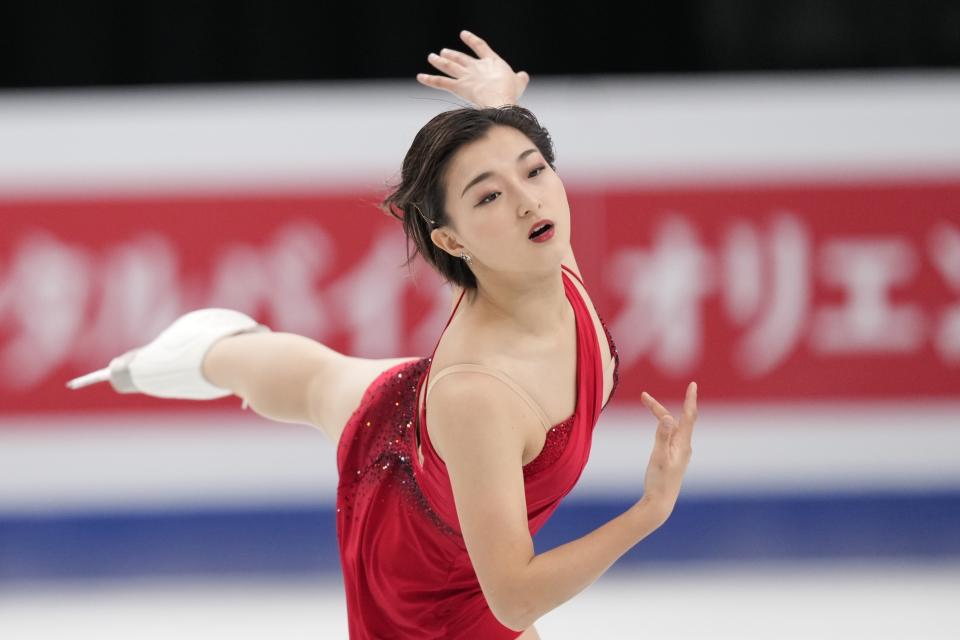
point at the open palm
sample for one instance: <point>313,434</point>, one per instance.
<point>486,80</point>
<point>671,450</point>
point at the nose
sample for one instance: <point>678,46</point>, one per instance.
<point>528,200</point>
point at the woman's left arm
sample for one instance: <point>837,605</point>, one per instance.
<point>486,81</point>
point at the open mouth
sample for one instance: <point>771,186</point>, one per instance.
<point>542,229</point>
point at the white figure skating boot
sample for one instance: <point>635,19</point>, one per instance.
<point>170,365</point>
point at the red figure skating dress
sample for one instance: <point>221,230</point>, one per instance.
<point>406,570</point>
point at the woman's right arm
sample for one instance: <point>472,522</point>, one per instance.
<point>476,424</point>
<point>569,568</point>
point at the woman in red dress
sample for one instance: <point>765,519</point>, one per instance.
<point>437,501</point>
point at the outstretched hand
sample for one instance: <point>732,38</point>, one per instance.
<point>671,451</point>
<point>486,81</point>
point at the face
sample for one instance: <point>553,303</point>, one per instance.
<point>492,217</point>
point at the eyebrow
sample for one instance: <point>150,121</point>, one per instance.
<point>487,174</point>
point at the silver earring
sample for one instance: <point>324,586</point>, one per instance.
<point>465,257</point>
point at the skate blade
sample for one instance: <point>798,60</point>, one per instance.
<point>94,377</point>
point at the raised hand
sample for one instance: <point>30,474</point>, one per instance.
<point>486,81</point>
<point>671,451</point>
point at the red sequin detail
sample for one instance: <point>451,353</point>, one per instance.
<point>381,430</point>
<point>616,361</point>
<point>553,446</point>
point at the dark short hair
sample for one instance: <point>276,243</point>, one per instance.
<point>418,200</point>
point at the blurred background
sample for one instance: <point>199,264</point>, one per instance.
<point>765,198</point>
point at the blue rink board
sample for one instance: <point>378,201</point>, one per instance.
<point>302,541</point>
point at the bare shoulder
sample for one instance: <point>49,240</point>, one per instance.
<point>468,409</point>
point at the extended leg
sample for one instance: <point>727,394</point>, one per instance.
<point>351,377</point>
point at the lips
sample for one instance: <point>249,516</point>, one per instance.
<point>538,226</point>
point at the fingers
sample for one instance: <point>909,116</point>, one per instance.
<point>689,414</point>
<point>658,409</point>
<point>479,46</point>
<point>461,59</point>
<point>437,82</point>
<point>446,65</point>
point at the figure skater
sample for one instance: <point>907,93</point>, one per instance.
<point>437,501</point>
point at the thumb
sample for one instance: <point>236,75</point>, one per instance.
<point>524,77</point>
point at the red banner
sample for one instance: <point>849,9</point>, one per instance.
<point>843,291</point>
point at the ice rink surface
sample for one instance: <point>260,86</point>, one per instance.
<point>841,600</point>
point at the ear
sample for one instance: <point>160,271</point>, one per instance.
<point>443,239</point>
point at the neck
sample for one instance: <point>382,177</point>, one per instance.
<point>535,306</point>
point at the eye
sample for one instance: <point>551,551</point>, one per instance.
<point>488,199</point>
<point>533,174</point>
